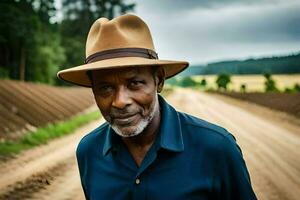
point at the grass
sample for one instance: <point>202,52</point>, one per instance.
<point>45,134</point>
<point>254,83</point>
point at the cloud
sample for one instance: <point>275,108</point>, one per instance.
<point>179,6</point>
<point>243,25</point>
<point>214,30</point>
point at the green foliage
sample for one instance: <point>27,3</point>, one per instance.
<point>203,83</point>
<point>187,82</point>
<point>297,87</point>
<point>3,73</point>
<point>243,88</point>
<point>267,76</point>
<point>276,65</point>
<point>270,84</point>
<point>50,55</point>
<point>45,134</point>
<point>33,48</point>
<point>30,47</point>
<point>294,89</point>
<point>182,81</point>
<point>173,81</point>
<point>222,81</point>
<point>78,16</point>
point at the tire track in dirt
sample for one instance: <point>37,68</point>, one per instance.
<point>64,187</point>
<point>271,151</point>
<point>16,172</point>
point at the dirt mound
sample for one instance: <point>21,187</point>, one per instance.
<point>24,106</point>
<point>285,102</point>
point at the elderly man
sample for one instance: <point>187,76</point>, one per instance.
<point>148,150</point>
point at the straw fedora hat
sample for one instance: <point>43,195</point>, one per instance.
<point>124,41</point>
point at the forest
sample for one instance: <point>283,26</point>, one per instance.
<point>34,44</point>
<point>289,64</point>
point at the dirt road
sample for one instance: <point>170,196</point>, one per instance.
<point>47,172</point>
<point>271,152</point>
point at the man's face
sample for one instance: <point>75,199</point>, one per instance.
<point>127,98</point>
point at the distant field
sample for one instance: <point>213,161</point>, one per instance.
<point>253,82</point>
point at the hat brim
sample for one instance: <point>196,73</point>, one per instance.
<point>78,76</point>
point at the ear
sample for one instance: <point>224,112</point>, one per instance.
<point>160,79</point>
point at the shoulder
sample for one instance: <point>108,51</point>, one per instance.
<point>200,126</point>
<point>92,140</point>
<point>202,132</point>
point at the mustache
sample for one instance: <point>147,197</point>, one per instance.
<point>123,113</point>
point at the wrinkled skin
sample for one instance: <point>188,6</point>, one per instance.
<point>127,98</point>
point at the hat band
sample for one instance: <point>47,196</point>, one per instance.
<point>123,52</point>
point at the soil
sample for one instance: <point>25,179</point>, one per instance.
<point>40,170</point>
<point>26,106</point>
<point>284,102</point>
<point>270,149</point>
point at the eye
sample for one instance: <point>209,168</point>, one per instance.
<point>136,83</point>
<point>104,89</point>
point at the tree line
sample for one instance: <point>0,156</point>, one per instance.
<point>33,46</point>
<point>274,65</point>
<point>223,80</point>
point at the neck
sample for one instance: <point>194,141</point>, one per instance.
<point>146,138</point>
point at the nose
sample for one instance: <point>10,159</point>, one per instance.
<point>122,98</point>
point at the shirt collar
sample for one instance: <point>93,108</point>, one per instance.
<point>170,133</point>
<point>108,141</point>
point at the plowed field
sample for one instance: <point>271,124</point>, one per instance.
<point>285,102</point>
<point>25,106</point>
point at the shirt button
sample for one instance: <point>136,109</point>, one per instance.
<point>137,181</point>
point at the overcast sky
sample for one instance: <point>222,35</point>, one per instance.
<point>202,31</point>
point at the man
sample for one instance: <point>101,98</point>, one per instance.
<point>148,150</point>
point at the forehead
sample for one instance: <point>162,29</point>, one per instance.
<point>126,72</point>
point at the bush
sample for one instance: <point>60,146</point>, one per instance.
<point>243,88</point>
<point>270,84</point>
<point>187,82</point>
<point>222,81</point>
<point>203,83</point>
<point>294,89</point>
<point>297,87</point>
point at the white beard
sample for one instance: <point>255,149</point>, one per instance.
<point>141,125</point>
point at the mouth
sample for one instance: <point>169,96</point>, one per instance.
<point>124,120</point>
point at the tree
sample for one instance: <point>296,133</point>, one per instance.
<point>16,36</point>
<point>297,87</point>
<point>222,81</point>
<point>78,16</point>
<point>27,41</point>
<point>33,48</point>
<point>294,89</point>
<point>187,82</point>
<point>203,83</point>
<point>243,88</point>
<point>270,84</point>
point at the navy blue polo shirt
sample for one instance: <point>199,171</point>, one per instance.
<point>189,159</point>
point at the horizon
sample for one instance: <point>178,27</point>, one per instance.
<point>205,31</point>
<point>247,58</point>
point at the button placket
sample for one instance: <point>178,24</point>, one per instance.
<point>137,181</point>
